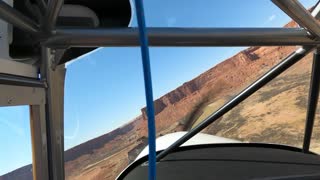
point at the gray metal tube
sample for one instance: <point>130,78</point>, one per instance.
<point>64,38</point>
<point>42,6</point>
<point>315,13</point>
<point>54,114</point>
<point>53,9</point>
<point>299,14</point>
<point>39,142</point>
<point>17,19</point>
<point>20,81</point>
<point>312,101</point>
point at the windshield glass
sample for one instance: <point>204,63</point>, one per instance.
<point>15,137</point>
<point>108,104</point>
<point>105,123</point>
<point>274,114</point>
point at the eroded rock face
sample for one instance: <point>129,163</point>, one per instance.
<point>228,71</point>
<point>173,97</point>
<point>225,79</point>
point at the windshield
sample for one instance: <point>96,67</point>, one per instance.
<point>105,121</point>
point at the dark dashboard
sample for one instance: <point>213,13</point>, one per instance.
<point>231,161</point>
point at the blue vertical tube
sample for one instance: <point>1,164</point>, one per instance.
<point>148,88</point>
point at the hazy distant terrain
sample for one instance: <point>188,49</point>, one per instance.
<point>275,114</point>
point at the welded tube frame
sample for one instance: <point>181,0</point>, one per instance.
<point>40,169</point>
<point>312,101</point>
<point>255,86</point>
<point>42,4</point>
<point>53,10</point>
<point>21,81</point>
<point>182,37</point>
<point>17,19</point>
<point>65,38</point>
<point>298,13</point>
<point>54,114</point>
<point>62,38</point>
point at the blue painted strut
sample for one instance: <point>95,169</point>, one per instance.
<point>148,88</point>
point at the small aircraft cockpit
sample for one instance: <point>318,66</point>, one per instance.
<point>39,37</point>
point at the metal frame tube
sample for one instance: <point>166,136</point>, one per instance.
<point>299,14</point>
<point>17,19</point>
<point>20,81</point>
<point>42,6</point>
<point>180,37</point>
<point>53,9</point>
<point>270,75</point>
<point>316,10</point>
<point>54,114</point>
<point>65,38</point>
<point>313,100</point>
<point>39,142</point>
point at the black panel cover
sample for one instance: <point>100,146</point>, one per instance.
<point>230,161</point>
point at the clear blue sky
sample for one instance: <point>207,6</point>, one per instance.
<point>105,89</point>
